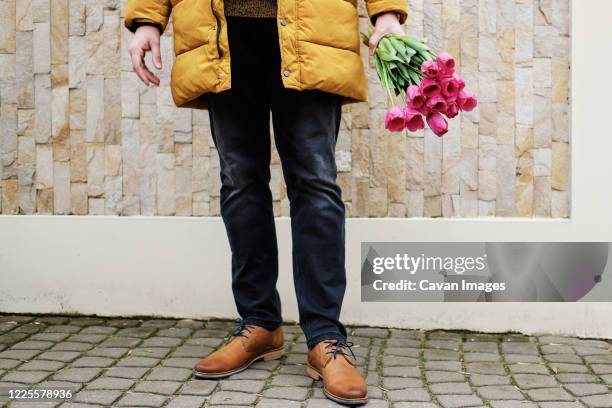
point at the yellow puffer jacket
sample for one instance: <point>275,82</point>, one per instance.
<point>319,44</point>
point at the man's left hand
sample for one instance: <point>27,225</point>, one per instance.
<point>386,23</point>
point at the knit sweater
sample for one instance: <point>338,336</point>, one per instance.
<point>250,8</point>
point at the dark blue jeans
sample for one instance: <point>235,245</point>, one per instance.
<point>305,125</point>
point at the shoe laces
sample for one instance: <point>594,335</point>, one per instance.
<point>242,329</point>
<point>338,347</point>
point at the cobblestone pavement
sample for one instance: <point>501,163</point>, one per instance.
<point>147,363</point>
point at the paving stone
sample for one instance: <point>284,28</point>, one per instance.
<point>254,374</point>
<point>475,357</point>
<point>160,323</point>
<point>528,369</point>
<point>181,362</point>
<point>80,375</point>
<point>120,342</point>
<point>583,390</point>
<point>186,401</point>
<point>189,351</point>
<point>102,397</point>
<point>11,338</point>
<point>232,397</point>
<point>409,394</point>
<point>152,352</point>
<point>110,383</point>
<point>395,383</point>
<point>18,354</point>
<point>485,368</point>
<point>26,377</point>
<point>598,401</point>
<point>110,352</point>
<point>99,330</point>
<point>54,337</point>
<point>253,386</point>
<point>158,387</point>
<point>139,332</point>
<point>72,346</point>
<point>161,342</point>
<point>415,405</point>
<point>500,392</point>
<point>274,403</point>
<point>443,376</point>
<point>127,372</point>
<point>480,346</point>
<point>561,404</point>
<point>6,364</point>
<point>93,362</point>
<point>550,394</point>
<point>288,392</point>
<point>169,373</point>
<point>439,355</point>
<point>294,380</point>
<point>87,338</point>
<point>563,358</point>
<point>459,401</point>
<point>602,368</point>
<point>530,381</point>
<point>512,404</point>
<point>64,356</point>
<point>137,362</point>
<point>484,379</point>
<point>123,323</point>
<point>576,378</point>
<point>32,345</point>
<point>523,359</point>
<point>62,329</point>
<point>42,365</point>
<point>198,387</point>
<point>450,388</point>
<point>443,366</point>
<point>142,399</point>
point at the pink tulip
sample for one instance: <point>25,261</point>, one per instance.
<point>414,120</point>
<point>395,120</point>
<point>467,101</point>
<point>414,98</point>
<point>460,81</point>
<point>452,110</point>
<point>449,88</point>
<point>429,87</point>
<point>437,124</point>
<point>430,69</point>
<point>446,64</point>
<point>436,104</point>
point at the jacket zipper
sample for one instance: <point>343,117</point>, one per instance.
<point>212,7</point>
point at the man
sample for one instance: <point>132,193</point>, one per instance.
<point>298,60</point>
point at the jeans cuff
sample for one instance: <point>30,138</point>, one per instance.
<point>266,324</point>
<point>325,336</point>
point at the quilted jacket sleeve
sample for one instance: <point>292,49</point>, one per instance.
<point>155,12</point>
<point>376,7</point>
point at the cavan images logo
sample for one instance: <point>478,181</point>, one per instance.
<point>485,272</point>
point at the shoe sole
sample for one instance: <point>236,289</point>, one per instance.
<point>316,375</point>
<point>271,355</point>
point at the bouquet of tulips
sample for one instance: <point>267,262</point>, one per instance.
<point>428,83</point>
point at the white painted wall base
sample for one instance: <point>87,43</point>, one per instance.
<point>179,267</point>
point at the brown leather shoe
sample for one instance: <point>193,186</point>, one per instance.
<point>249,344</point>
<point>331,361</point>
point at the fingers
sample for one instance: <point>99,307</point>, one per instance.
<point>374,39</point>
<point>137,54</point>
<point>157,60</point>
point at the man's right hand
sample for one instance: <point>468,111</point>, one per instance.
<point>146,38</point>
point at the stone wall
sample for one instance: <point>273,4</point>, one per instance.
<point>80,135</point>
